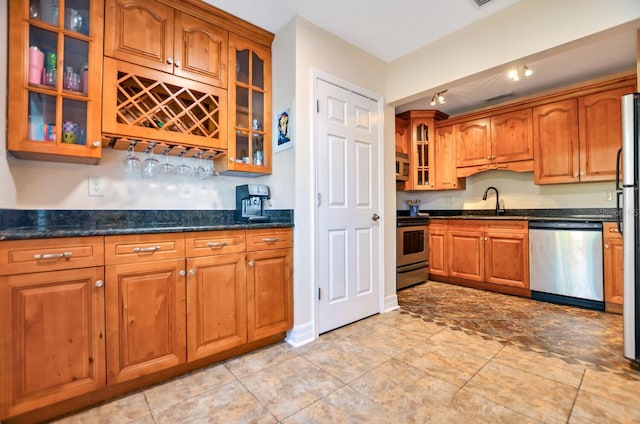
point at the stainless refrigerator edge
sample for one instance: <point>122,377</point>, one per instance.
<point>629,227</point>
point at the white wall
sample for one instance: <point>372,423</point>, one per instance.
<point>523,29</point>
<point>319,50</point>
<point>517,191</point>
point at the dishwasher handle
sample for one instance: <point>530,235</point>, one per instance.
<point>565,225</point>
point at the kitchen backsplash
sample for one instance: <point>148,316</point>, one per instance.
<point>517,191</point>
<point>49,185</point>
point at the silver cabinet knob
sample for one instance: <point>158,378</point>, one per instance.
<point>182,273</point>
<point>170,60</point>
<point>99,283</point>
<point>192,272</point>
<point>606,246</point>
<point>96,144</point>
<point>250,263</point>
<point>178,64</point>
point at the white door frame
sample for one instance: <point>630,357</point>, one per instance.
<point>320,75</point>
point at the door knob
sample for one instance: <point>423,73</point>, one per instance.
<point>375,217</point>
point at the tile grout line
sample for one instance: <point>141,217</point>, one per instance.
<point>575,399</point>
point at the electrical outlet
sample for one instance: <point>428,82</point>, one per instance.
<point>607,195</point>
<point>95,187</point>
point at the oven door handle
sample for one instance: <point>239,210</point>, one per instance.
<point>412,267</point>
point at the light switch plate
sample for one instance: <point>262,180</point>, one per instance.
<point>95,187</point>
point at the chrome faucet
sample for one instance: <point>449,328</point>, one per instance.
<point>484,197</point>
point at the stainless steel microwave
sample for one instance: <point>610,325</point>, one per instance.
<point>402,166</point>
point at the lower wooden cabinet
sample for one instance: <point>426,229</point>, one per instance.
<point>146,317</point>
<point>145,289</point>
<point>216,292</point>
<point>438,248</point>
<point>613,275</point>
<point>270,295</point>
<point>269,282</point>
<point>52,323</point>
<point>465,250</point>
<point>126,310</point>
<point>507,254</point>
<point>490,254</point>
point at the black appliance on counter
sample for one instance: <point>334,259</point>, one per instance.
<point>250,200</point>
<point>412,245</point>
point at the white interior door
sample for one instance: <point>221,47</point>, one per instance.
<point>349,263</point>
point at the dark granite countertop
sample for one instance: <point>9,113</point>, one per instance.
<point>31,224</point>
<point>582,214</point>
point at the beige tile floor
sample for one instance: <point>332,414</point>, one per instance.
<point>397,367</point>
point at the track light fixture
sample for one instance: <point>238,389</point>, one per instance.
<point>514,74</point>
<point>438,98</point>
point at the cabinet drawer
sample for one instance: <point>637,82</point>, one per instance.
<point>472,224</point>
<point>143,247</point>
<point>26,256</point>
<point>215,243</point>
<point>510,226</point>
<point>270,238</point>
<point>610,230</point>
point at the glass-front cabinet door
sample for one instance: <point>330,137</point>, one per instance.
<point>249,148</point>
<point>55,73</point>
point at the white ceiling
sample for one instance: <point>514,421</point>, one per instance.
<point>391,32</point>
<point>386,29</point>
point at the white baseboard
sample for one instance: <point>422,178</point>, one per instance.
<point>391,303</point>
<point>300,335</point>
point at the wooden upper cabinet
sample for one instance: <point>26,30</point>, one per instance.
<point>577,140</point>
<point>154,35</point>
<point>473,142</point>
<point>512,136</point>
<point>200,50</point>
<point>503,141</point>
<point>600,126</point>
<point>403,135</point>
<point>140,31</point>
<point>421,147</point>
<point>445,160</point>
<point>555,132</point>
<point>249,129</point>
<point>53,104</point>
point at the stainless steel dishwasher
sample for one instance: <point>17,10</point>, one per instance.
<point>565,263</point>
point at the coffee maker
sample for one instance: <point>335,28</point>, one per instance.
<point>250,200</point>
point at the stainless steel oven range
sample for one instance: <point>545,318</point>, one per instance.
<point>412,244</point>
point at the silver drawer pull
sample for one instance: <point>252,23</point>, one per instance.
<point>217,244</point>
<point>146,249</point>
<point>270,239</point>
<point>52,255</point>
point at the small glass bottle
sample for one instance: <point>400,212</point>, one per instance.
<point>85,79</point>
<point>67,81</point>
